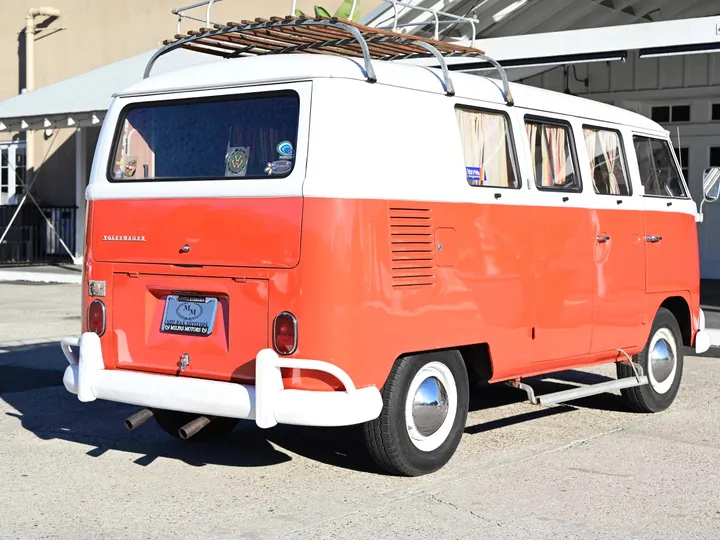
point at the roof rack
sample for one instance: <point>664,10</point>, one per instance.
<point>321,35</point>
<point>451,18</point>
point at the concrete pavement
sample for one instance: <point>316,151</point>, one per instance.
<point>586,470</point>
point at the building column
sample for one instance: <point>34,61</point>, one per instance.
<point>80,185</point>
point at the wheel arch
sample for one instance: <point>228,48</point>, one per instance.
<point>476,356</point>
<point>678,306</point>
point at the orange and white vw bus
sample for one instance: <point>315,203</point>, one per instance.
<point>285,239</point>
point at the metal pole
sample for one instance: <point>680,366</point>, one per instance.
<point>80,183</point>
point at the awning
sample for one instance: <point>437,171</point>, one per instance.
<point>84,99</point>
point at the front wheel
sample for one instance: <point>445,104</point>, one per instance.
<point>425,406</point>
<point>662,361</point>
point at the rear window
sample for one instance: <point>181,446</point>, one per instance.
<point>239,137</point>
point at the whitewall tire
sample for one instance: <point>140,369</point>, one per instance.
<point>662,361</point>
<point>425,405</point>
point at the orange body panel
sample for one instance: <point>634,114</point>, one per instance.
<point>378,279</point>
<point>619,268</point>
<point>225,232</point>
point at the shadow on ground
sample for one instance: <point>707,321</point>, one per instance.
<point>31,384</point>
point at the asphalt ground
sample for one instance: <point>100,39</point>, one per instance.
<point>588,469</point>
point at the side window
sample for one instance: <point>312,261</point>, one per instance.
<point>607,161</point>
<point>551,151</point>
<point>658,172</point>
<point>487,147</point>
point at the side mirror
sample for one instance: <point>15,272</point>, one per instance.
<point>711,184</point>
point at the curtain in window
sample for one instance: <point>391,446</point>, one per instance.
<point>609,144</point>
<point>606,162</point>
<point>485,146</point>
<point>552,161</point>
<point>556,138</point>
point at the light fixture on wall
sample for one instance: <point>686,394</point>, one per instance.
<point>680,50</point>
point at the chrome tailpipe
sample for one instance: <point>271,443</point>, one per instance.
<point>192,427</point>
<point>139,418</point>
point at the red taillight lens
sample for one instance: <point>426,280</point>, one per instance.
<point>285,333</point>
<point>96,317</point>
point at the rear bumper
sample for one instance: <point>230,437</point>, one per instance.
<point>268,402</point>
<point>704,338</point>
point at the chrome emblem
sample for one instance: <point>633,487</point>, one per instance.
<point>112,238</point>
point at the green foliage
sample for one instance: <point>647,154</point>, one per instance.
<point>321,12</point>
<point>343,12</point>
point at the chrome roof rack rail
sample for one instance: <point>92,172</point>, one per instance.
<point>180,12</point>
<point>451,19</point>
<point>319,35</point>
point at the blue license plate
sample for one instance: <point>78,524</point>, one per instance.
<point>190,315</point>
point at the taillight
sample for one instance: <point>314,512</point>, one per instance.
<point>96,317</point>
<point>285,333</point>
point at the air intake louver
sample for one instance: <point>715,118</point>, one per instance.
<point>412,247</point>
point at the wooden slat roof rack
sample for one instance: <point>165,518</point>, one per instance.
<point>321,35</point>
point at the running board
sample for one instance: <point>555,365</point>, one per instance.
<point>578,393</point>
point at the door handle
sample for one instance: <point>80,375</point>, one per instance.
<point>653,239</point>
<point>602,238</point>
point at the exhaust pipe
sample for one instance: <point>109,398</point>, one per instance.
<point>139,418</point>
<point>192,427</point>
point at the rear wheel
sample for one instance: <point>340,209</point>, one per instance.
<point>172,421</point>
<point>425,405</point>
<point>662,361</point>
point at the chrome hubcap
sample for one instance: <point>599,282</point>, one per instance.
<point>430,406</point>
<point>662,359</point>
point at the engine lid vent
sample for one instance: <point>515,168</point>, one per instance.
<point>412,247</point>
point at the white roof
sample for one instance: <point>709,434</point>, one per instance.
<point>84,99</point>
<point>261,69</point>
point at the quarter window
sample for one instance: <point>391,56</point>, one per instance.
<point>487,148</point>
<point>551,151</point>
<point>658,172</point>
<point>607,161</point>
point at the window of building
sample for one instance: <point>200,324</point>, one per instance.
<point>716,111</point>
<point>666,114</point>
<point>658,172</point>
<point>715,156</point>
<point>660,114</point>
<point>20,169</point>
<point>553,157</point>
<point>683,157</point>
<point>607,161</point>
<point>4,170</point>
<point>487,148</point>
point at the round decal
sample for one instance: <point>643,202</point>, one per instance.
<point>285,149</point>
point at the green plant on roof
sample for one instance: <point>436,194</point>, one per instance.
<point>343,12</point>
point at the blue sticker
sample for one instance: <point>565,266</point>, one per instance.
<point>279,167</point>
<point>476,175</point>
<point>285,149</point>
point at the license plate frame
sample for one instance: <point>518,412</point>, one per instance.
<point>189,315</point>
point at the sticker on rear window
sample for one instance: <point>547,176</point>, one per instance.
<point>237,161</point>
<point>285,150</point>
<point>278,167</point>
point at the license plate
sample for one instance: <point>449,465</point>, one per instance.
<point>191,315</point>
